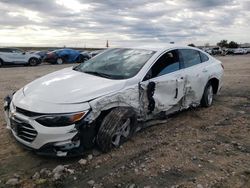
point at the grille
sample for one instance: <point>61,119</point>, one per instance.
<point>23,130</point>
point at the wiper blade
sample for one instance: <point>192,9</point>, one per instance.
<point>98,74</point>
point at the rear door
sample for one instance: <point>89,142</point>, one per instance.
<point>195,75</point>
<point>163,86</point>
<point>18,56</point>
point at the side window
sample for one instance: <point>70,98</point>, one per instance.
<point>204,57</point>
<point>190,57</point>
<point>167,63</point>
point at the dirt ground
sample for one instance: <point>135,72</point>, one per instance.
<point>202,147</point>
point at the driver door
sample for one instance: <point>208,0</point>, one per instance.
<point>18,56</point>
<point>163,86</point>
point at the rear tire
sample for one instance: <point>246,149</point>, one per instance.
<point>33,61</point>
<point>207,98</point>
<point>1,62</point>
<point>116,128</point>
<point>59,61</point>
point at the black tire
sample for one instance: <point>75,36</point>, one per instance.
<point>1,62</point>
<point>59,60</point>
<point>33,61</point>
<point>120,122</point>
<point>207,98</point>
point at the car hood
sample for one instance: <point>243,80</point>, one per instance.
<point>69,86</point>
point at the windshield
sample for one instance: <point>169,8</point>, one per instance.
<point>116,63</point>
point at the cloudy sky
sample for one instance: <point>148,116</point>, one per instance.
<point>79,23</point>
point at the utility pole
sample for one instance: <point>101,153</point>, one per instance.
<point>107,44</point>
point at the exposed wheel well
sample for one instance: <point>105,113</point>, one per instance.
<point>215,84</point>
<point>103,114</point>
<point>100,118</point>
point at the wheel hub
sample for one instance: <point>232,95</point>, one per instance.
<point>123,131</point>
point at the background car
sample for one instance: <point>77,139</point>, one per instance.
<point>64,56</point>
<point>16,56</point>
<point>95,52</point>
<point>42,53</point>
<point>240,51</point>
<point>86,55</point>
<point>216,51</point>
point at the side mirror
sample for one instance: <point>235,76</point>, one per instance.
<point>24,53</point>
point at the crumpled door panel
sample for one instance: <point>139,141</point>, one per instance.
<point>167,92</point>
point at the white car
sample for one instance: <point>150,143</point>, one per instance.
<point>109,97</point>
<point>240,51</point>
<point>17,57</point>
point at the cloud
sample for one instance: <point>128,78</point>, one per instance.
<point>135,22</point>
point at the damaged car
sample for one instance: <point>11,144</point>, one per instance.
<point>105,100</point>
<point>65,55</point>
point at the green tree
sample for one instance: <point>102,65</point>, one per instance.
<point>222,44</point>
<point>233,44</point>
<point>192,45</point>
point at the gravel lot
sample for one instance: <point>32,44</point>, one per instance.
<point>202,147</point>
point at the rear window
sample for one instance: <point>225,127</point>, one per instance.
<point>190,57</point>
<point>204,57</point>
<point>4,50</point>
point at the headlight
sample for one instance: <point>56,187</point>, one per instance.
<point>60,120</point>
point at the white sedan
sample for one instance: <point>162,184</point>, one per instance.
<point>105,100</point>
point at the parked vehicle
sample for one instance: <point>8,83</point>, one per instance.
<point>240,51</point>
<point>64,56</point>
<point>216,51</point>
<point>230,51</point>
<point>102,100</point>
<point>95,52</point>
<point>207,50</point>
<point>86,55</point>
<point>18,57</point>
<point>42,53</point>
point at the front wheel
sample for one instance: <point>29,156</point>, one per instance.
<point>116,128</point>
<point>33,61</point>
<point>208,95</point>
<point>59,61</point>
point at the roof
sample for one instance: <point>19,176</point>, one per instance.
<point>160,49</point>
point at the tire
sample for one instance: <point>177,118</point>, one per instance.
<point>207,98</point>
<point>59,61</point>
<point>116,128</point>
<point>1,62</point>
<point>33,61</point>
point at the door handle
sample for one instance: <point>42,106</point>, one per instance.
<point>176,93</point>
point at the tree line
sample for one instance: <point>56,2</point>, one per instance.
<point>222,44</point>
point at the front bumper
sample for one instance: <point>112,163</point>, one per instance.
<point>58,141</point>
